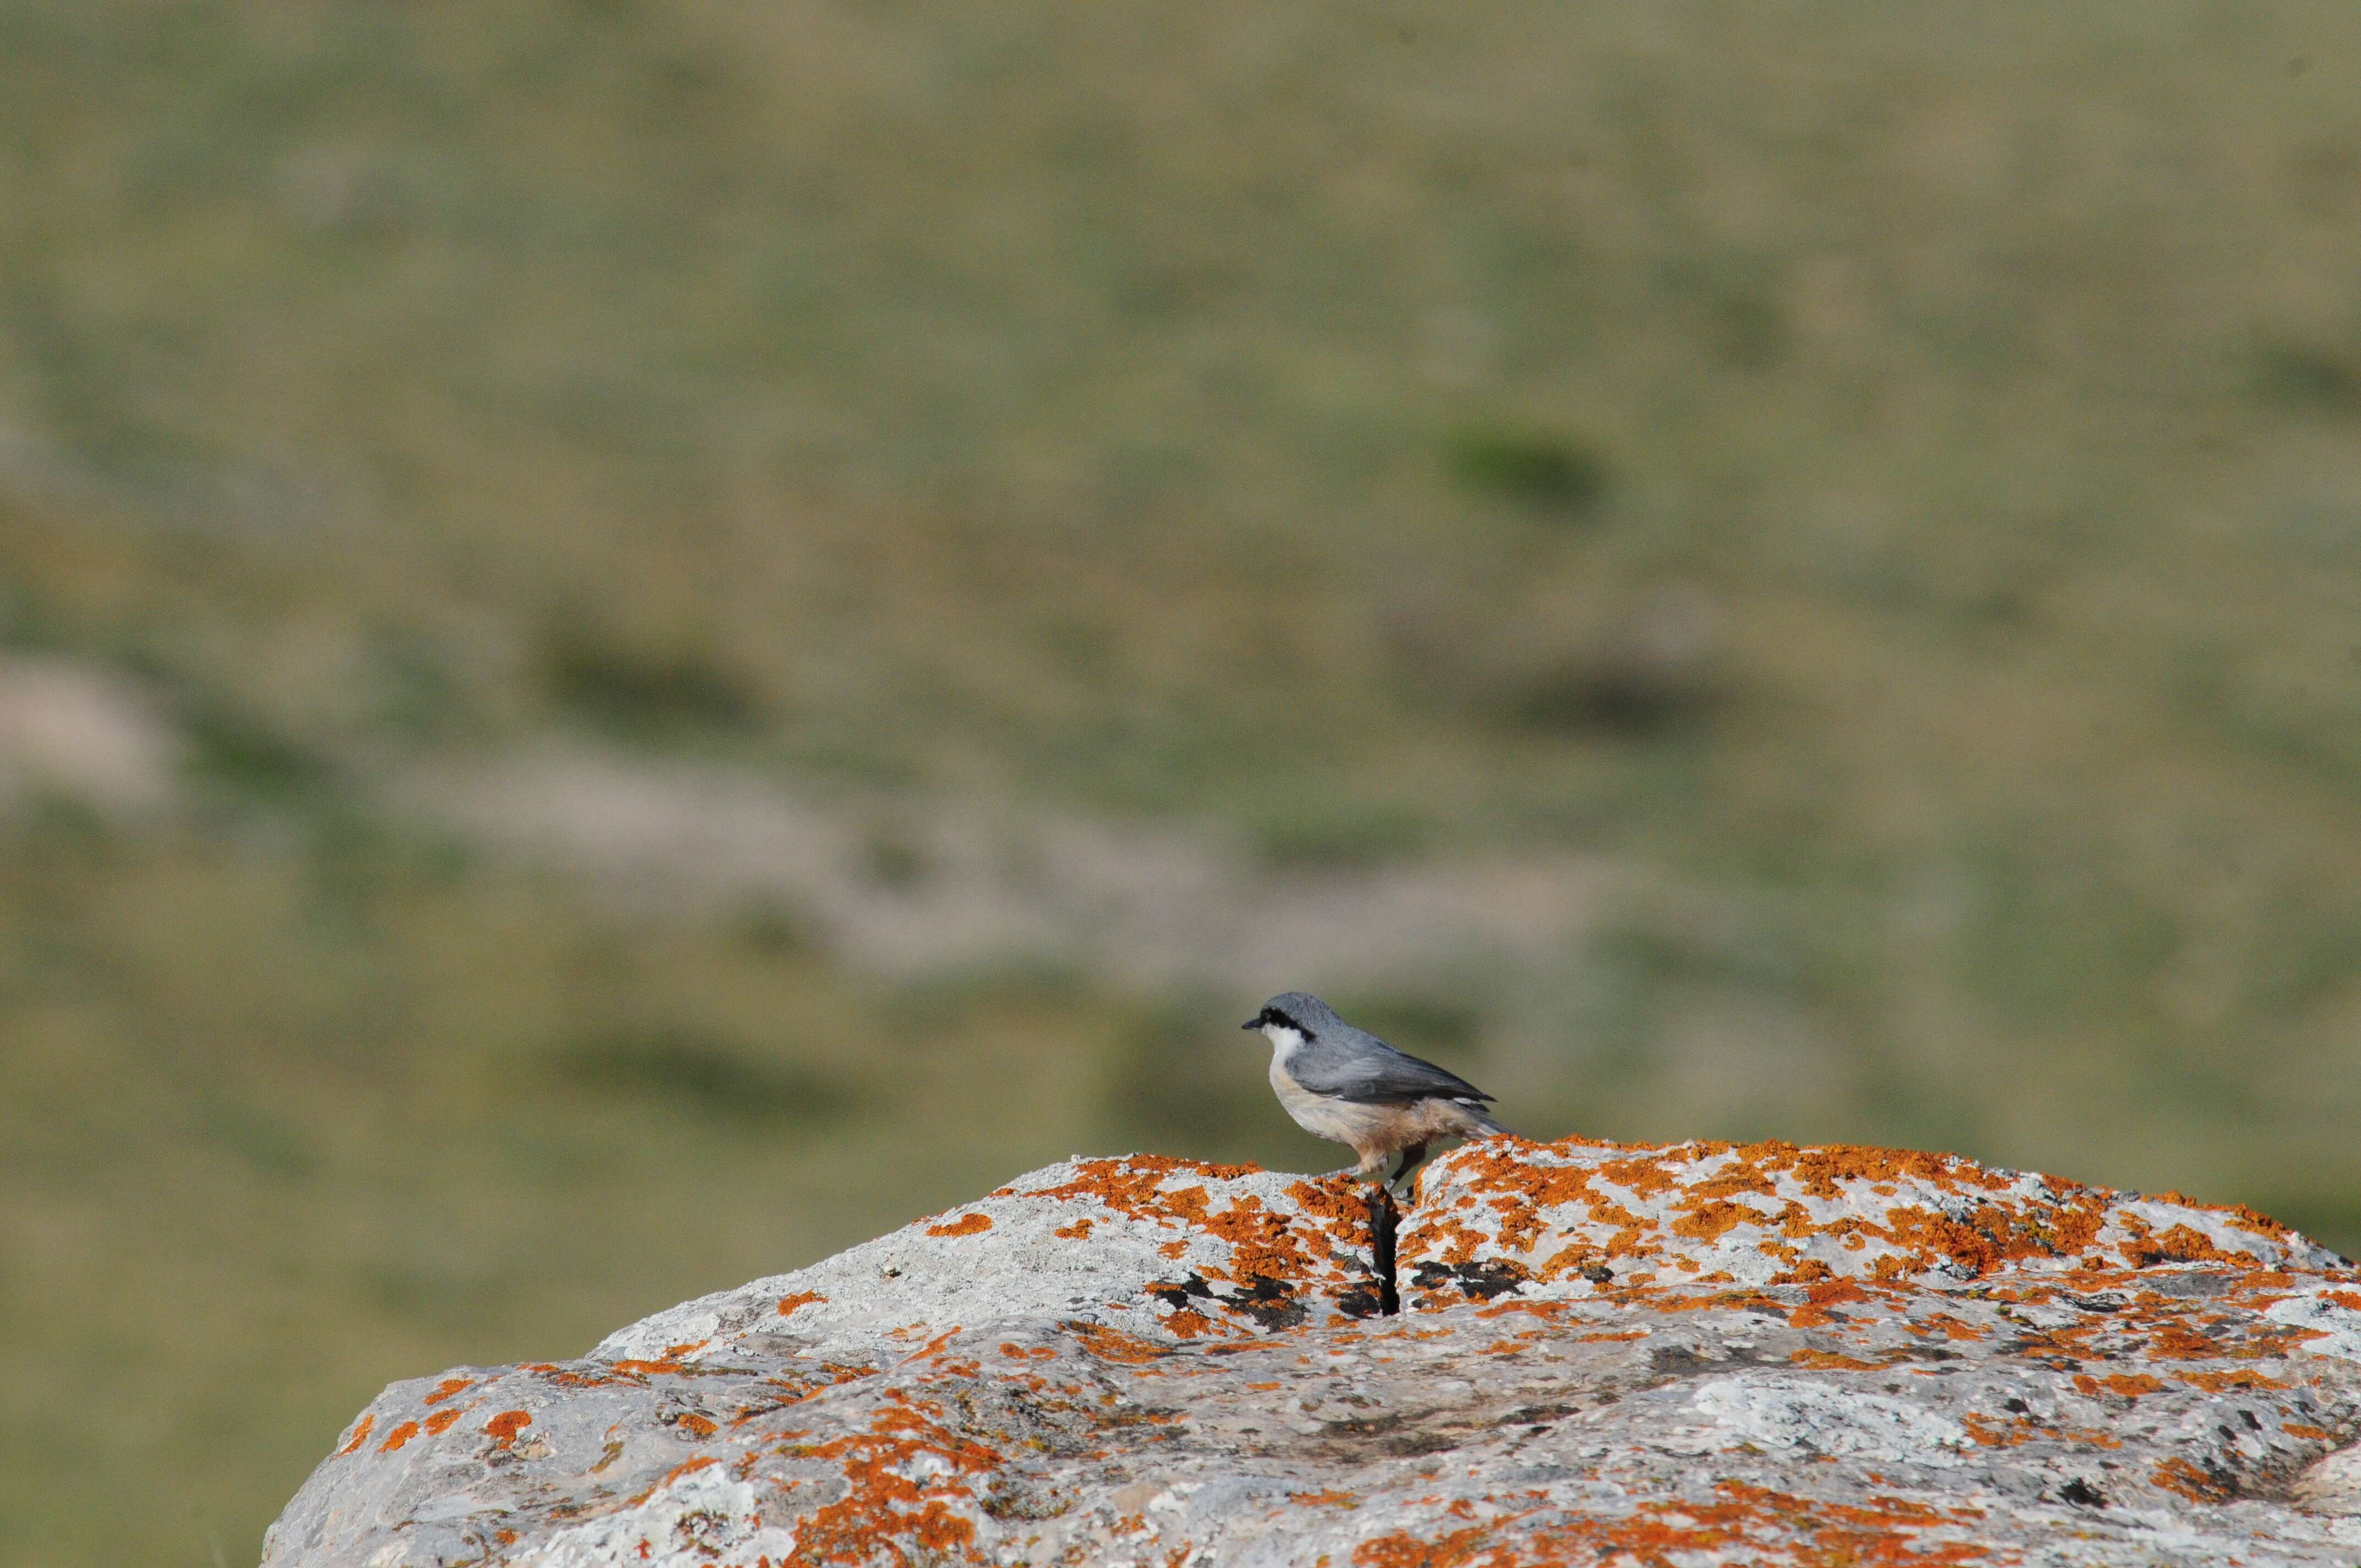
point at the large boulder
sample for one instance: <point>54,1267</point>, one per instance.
<point>1690,1354</point>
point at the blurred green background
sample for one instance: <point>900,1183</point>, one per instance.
<point>639,638</point>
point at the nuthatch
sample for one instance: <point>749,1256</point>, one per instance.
<point>1348,1086</point>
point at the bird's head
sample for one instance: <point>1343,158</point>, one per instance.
<point>1290,1018</point>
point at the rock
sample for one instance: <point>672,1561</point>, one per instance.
<point>1643,1356</point>
<point>77,731</point>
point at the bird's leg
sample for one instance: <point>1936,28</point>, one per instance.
<point>1409,1158</point>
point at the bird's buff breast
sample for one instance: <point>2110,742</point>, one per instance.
<point>1336,1119</point>
<point>1369,1129</point>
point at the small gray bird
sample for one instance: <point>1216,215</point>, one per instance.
<point>1348,1086</point>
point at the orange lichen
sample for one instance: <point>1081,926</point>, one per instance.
<point>669,1476</point>
<point>1743,1300</point>
<point>448,1386</point>
<point>966,1226</point>
<point>2221,1382</point>
<point>1753,1521</point>
<point>1132,1186</point>
<point>1325,1498</point>
<point>1645,1177</point>
<point>2181,1477</point>
<point>2175,1341</point>
<point>505,1426</point>
<point>660,1366</point>
<point>1546,1311</point>
<point>1190,1324</point>
<point>1834,1361</point>
<point>1808,1271</point>
<point>564,1378</point>
<point>1968,1222</point>
<point>1290,1247</point>
<point>885,1510</point>
<point>788,1304</point>
<point>1710,1221</point>
<point>2181,1244</point>
<point>1073,1232</point>
<point>2062,1344</point>
<point>1572,1259</point>
<point>1263,1244</point>
<point>1820,1168</point>
<point>1336,1204</point>
<point>1980,1427</point>
<point>1459,1242</point>
<point>1818,1299</point>
<point>397,1436</point>
<point>1406,1551</point>
<point>1113,1344</point>
<point>442,1421</point>
<point>360,1436</point>
<point>1998,1235</point>
<point>1729,1183</point>
<point>694,1425</point>
<point>933,1347</point>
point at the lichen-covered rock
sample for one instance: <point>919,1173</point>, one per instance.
<point>1566,1220</point>
<point>1638,1356</point>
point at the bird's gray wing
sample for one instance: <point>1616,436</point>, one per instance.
<point>1366,1071</point>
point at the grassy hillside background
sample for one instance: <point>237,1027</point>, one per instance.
<point>1835,534</point>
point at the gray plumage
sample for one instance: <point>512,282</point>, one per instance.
<point>1345,1063</point>
<point>1348,1085</point>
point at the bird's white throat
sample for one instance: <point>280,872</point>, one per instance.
<point>1285,1041</point>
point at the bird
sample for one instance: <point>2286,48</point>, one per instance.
<point>1348,1086</point>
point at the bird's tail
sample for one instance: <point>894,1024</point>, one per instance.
<point>1485,1125</point>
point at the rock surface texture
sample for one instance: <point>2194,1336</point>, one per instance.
<point>1685,1355</point>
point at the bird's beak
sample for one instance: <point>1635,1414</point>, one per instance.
<point>1251,1023</point>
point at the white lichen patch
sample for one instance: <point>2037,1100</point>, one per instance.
<point>1792,1416</point>
<point>704,1515</point>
